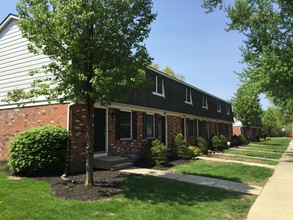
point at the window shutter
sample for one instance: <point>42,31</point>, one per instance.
<point>144,126</point>
<point>183,127</point>
<point>195,128</point>
<point>134,125</point>
<point>157,126</point>
<point>117,125</point>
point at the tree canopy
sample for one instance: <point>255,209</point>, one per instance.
<point>268,50</point>
<point>96,49</point>
<point>246,105</point>
<point>169,71</point>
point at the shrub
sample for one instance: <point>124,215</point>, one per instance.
<point>39,150</point>
<point>235,141</point>
<point>215,143</point>
<point>242,139</point>
<point>223,141</point>
<point>193,151</point>
<point>180,141</point>
<point>202,145</point>
<point>181,147</point>
<point>158,152</point>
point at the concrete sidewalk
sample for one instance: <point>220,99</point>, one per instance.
<point>199,180</point>
<point>276,199</point>
<point>237,161</point>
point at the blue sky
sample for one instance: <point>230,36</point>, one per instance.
<point>192,43</point>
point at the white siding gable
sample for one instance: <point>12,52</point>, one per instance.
<point>16,61</point>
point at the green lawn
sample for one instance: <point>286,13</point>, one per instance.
<point>274,147</point>
<point>245,159</point>
<point>145,198</point>
<point>278,145</point>
<point>229,171</point>
<point>254,154</point>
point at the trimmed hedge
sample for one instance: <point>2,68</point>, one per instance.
<point>39,150</point>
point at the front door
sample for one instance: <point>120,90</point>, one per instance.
<point>100,130</point>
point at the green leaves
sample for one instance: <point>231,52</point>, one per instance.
<point>246,105</point>
<point>267,25</point>
<point>95,46</point>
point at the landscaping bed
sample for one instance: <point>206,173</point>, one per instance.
<point>106,184</point>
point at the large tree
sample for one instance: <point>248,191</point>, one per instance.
<point>169,71</point>
<point>274,121</point>
<point>268,50</point>
<point>96,50</point>
<point>246,105</point>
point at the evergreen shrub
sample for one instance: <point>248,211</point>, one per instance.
<point>39,150</point>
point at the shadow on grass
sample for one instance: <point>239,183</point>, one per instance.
<point>156,190</point>
<point>234,179</point>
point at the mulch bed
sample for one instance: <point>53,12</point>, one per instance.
<point>106,183</point>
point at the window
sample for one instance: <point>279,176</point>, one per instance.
<point>219,107</point>
<point>188,96</point>
<point>150,126</point>
<point>125,125</point>
<point>204,101</point>
<point>203,129</point>
<point>159,90</point>
<point>228,109</point>
<point>191,128</point>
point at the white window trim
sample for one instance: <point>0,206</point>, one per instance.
<point>205,103</point>
<point>227,110</point>
<point>219,106</point>
<point>186,101</point>
<point>163,89</point>
<point>154,127</point>
<point>128,138</point>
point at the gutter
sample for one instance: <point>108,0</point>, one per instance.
<point>67,171</point>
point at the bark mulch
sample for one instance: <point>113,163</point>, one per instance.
<point>106,183</point>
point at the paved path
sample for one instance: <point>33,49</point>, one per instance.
<point>253,150</point>
<point>238,155</point>
<point>200,180</point>
<point>276,199</point>
<point>236,161</point>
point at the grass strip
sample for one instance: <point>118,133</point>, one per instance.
<point>229,171</point>
<point>144,197</point>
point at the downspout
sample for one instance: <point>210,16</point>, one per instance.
<point>67,171</point>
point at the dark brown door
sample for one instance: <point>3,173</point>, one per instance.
<point>100,130</point>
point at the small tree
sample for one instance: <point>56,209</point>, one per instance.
<point>96,50</point>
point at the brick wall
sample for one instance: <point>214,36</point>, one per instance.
<point>77,129</point>
<point>236,130</point>
<point>174,127</point>
<point>14,121</point>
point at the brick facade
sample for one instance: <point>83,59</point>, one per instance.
<point>236,130</point>
<point>14,121</point>
<point>174,127</point>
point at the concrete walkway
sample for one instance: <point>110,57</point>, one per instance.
<point>237,161</point>
<point>252,150</point>
<point>276,199</point>
<point>199,180</point>
<point>238,155</point>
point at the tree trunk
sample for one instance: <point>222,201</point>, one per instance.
<point>89,105</point>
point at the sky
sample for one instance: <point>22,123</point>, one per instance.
<point>192,43</point>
